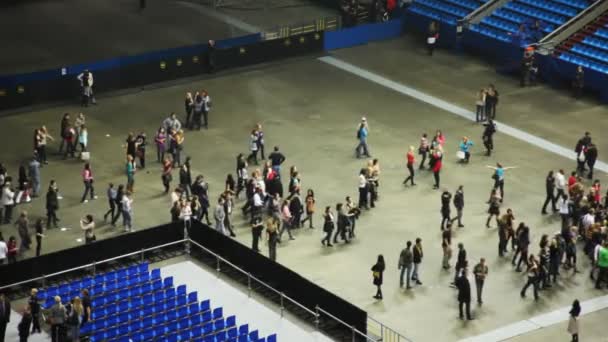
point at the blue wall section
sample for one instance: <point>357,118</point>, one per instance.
<point>362,34</point>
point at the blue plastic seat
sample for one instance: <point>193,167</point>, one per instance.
<point>195,320</point>
<point>219,325</point>
<point>159,331</point>
<point>232,332</point>
<point>206,317</point>
<point>170,292</point>
<point>196,331</point>
<point>172,337</point>
<point>218,313</point>
<point>205,305</point>
<point>207,328</point>
<point>271,338</point>
<point>220,336</point>
<point>244,329</point>
<point>253,336</point>
<point>168,282</point>
<point>230,321</point>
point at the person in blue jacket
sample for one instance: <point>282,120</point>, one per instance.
<point>465,147</point>
<point>362,133</point>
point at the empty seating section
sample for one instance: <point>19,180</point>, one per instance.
<point>447,11</point>
<point>588,47</point>
<point>504,23</point>
<point>133,304</point>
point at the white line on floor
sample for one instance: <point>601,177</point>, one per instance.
<point>232,21</point>
<point>449,107</point>
<point>524,326</point>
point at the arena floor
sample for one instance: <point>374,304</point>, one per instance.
<point>311,110</point>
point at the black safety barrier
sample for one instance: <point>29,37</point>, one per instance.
<point>283,279</point>
<point>47,87</point>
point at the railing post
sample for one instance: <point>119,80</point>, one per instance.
<point>382,331</point>
<point>94,268</point>
<point>282,306</point>
<point>217,265</point>
<point>141,260</point>
<point>249,284</point>
<point>317,316</point>
<point>354,333</point>
<point>43,281</point>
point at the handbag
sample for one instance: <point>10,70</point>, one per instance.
<point>85,156</point>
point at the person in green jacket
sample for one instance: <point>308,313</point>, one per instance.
<point>602,263</point>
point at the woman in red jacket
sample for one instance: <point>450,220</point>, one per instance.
<point>437,156</point>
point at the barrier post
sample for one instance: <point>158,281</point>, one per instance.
<point>141,259</point>
<point>249,284</point>
<point>43,281</point>
<point>282,306</point>
<point>94,267</point>
<point>317,315</point>
<point>217,267</point>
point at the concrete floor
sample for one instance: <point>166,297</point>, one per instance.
<point>311,110</point>
<point>39,36</point>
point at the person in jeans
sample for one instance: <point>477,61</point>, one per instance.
<point>57,316</point>
<point>273,237</point>
<point>87,178</point>
<point>417,259</point>
<point>127,211</point>
<point>481,272</point>
<point>405,264</point>
<point>532,277</point>
<point>74,319</point>
<point>362,133</point>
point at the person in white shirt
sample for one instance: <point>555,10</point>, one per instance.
<point>7,201</point>
<point>206,108</point>
<point>258,203</point>
<point>564,210</point>
<point>560,184</point>
<point>3,250</point>
<point>185,213</point>
<point>127,212</point>
<point>220,215</point>
<point>587,221</point>
<point>86,84</point>
<point>363,189</point>
<point>87,224</point>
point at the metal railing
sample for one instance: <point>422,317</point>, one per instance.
<point>385,333</point>
<point>93,266</point>
<point>380,331</point>
<point>317,25</point>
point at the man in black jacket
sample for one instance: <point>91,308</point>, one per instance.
<point>459,204</point>
<point>446,198</point>
<point>461,262</point>
<point>591,157</point>
<point>464,294</point>
<point>35,310</point>
<point>581,146</point>
<point>488,133</point>
<point>5,315</point>
<point>550,190</point>
<point>276,159</point>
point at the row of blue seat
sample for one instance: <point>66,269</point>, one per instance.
<point>444,7</point>
<point>517,18</point>
<point>584,62</point>
<point>536,13</point>
<point>552,7</point>
<point>89,282</point>
<point>430,13</point>
<point>146,293</point>
<point>580,4</point>
<point>598,54</point>
<point>596,41</point>
<point>490,32</point>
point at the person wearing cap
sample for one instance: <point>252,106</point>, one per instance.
<point>362,133</point>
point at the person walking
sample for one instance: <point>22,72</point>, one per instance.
<point>7,201</point>
<point>432,37</point>
<point>141,143</point>
<point>52,205</point>
<point>127,211</point>
<point>74,319</point>
<point>464,294</point>
<point>310,208</point>
<point>253,147</point>
<point>362,148</point>
<point>22,225</point>
<point>39,227</point>
<point>602,264</point>
<point>491,102</point>
<point>276,159</point>
<point>272,226</point>
<point>260,140</point>
<point>461,262</point>
<point>219,214</point>
<point>417,259</point>
<point>481,272</point>
<point>406,260</point>
<point>550,191</point>
<point>459,205</point>
<point>363,189</point>
<point>24,326</point>
<point>423,149</point>
<point>446,247</point>
<point>437,156</point>
<point>591,158</point>
<point>87,224</point>
<point>446,198</point>
<point>487,136</point>
<point>111,196</point>
<point>411,159</point>
<point>573,327</point>
<point>377,275</point>
<point>87,178</point>
<point>286,219</point>
<point>189,106</point>
<point>256,232</point>
<point>130,172</point>
<point>493,207</point>
<point>12,250</point>
<point>533,277</point>
<point>206,108</point>
<point>328,226</point>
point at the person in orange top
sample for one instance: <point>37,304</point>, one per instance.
<point>411,159</point>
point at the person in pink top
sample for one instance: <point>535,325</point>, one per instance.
<point>286,217</point>
<point>87,178</point>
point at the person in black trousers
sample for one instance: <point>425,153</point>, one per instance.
<point>446,198</point>
<point>579,82</point>
<point>111,194</point>
<point>5,315</point>
<point>550,190</point>
<point>487,137</point>
<point>328,226</point>
<point>461,262</point>
<point>532,277</point>
<point>35,310</point>
<point>591,157</point>
<point>39,235</point>
<point>256,232</point>
<point>24,325</point>
<point>52,205</point>
<point>464,294</point>
<point>523,241</point>
<point>459,204</point>
<point>118,202</point>
<point>377,272</point>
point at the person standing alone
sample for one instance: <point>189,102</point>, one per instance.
<point>362,134</point>
<point>575,311</point>
<point>417,259</point>
<point>406,259</point>
<point>481,272</point>
<point>377,272</point>
<point>464,294</point>
<point>459,204</point>
<point>411,159</point>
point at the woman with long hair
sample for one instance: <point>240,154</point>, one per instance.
<point>75,318</point>
<point>328,226</point>
<point>494,207</point>
<point>575,311</point>
<point>411,159</point>
<point>310,207</point>
<point>87,179</point>
<point>377,272</point>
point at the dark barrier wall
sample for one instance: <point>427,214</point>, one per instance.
<point>86,254</point>
<point>281,278</point>
<point>137,71</point>
<point>362,34</point>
